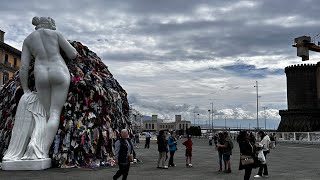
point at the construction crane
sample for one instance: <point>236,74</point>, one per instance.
<point>304,45</point>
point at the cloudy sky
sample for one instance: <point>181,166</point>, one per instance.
<point>178,56</point>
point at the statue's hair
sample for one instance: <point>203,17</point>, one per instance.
<point>36,21</point>
<point>43,22</point>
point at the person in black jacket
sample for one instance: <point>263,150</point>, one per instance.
<point>123,153</point>
<point>162,148</point>
<point>249,149</point>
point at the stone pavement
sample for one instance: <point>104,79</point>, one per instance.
<point>287,161</point>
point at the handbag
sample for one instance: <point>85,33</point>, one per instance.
<point>246,160</point>
<point>130,158</point>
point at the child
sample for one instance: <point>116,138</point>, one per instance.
<point>188,143</point>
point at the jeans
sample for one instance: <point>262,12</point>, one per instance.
<point>123,170</point>
<point>220,159</point>
<point>263,167</point>
<point>171,158</point>
<point>162,157</point>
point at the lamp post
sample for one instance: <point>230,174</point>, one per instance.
<point>225,122</point>
<point>256,86</point>
<point>198,119</point>
<point>194,118</point>
<point>209,118</point>
<point>265,117</point>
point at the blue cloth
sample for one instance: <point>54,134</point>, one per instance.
<point>172,144</point>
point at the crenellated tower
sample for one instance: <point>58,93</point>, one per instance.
<point>303,113</point>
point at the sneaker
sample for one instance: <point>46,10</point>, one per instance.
<point>228,171</point>
<point>187,165</point>
<point>165,167</point>
<point>257,176</point>
<point>159,167</point>
<point>265,176</point>
<point>190,165</point>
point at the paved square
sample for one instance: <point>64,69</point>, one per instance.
<point>287,161</point>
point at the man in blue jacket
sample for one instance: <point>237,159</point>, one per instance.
<point>172,142</point>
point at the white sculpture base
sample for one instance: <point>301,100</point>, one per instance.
<point>38,164</point>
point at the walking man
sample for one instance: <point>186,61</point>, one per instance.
<point>123,155</point>
<point>148,137</point>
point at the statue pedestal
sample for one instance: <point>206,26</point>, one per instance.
<point>37,164</point>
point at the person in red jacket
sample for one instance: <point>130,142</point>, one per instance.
<point>188,143</point>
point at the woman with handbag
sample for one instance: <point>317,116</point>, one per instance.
<point>248,157</point>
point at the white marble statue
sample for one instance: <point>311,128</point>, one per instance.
<point>38,113</point>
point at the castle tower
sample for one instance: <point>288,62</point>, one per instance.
<point>303,112</point>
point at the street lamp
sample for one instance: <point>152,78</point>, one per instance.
<point>209,118</point>
<point>198,119</point>
<point>265,117</point>
<point>256,86</point>
<point>212,117</point>
<point>225,122</point>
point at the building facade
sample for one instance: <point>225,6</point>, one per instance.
<point>156,124</point>
<point>10,59</point>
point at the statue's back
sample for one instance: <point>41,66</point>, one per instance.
<point>43,44</point>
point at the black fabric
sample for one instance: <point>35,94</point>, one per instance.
<point>123,152</point>
<point>247,173</point>
<point>171,158</point>
<point>162,144</point>
<point>147,145</point>
<point>247,148</point>
<point>123,170</point>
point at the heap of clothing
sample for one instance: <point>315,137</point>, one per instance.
<point>95,110</point>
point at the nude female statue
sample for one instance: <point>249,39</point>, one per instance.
<point>52,78</point>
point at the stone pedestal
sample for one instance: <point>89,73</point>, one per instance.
<point>38,164</point>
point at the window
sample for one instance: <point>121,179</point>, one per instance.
<point>5,77</point>
<point>179,126</point>
<point>186,126</point>
<point>182,126</point>
<point>6,58</point>
<point>15,62</point>
<point>146,126</point>
<point>152,126</point>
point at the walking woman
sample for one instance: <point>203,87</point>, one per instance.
<point>248,149</point>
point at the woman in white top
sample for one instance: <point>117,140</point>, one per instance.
<point>265,142</point>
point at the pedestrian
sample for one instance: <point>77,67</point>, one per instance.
<point>162,148</point>
<point>188,143</point>
<point>227,151</point>
<point>148,138</point>
<point>247,148</point>
<point>252,138</point>
<point>273,141</point>
<point>215,139</point>
<point>172,142</point>
<point>220,151</point>
<point>210,139</point>
<point>136,136</point>
<point>123,155</point>
<point>265,143</point>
